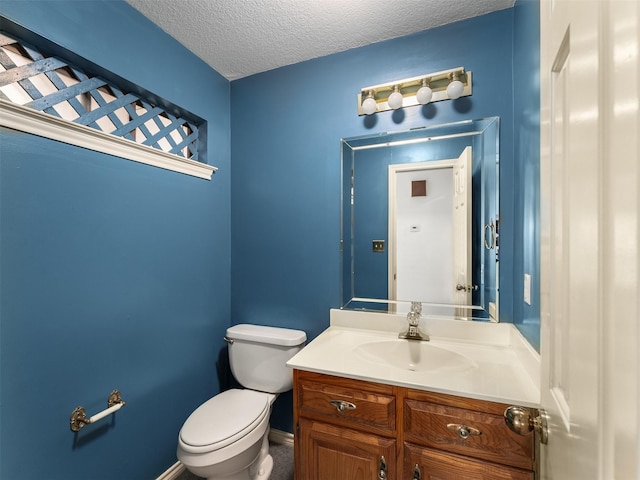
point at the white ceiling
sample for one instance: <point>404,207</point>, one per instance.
<point>241,37</point>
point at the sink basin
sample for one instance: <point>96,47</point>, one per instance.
<point>414,355</point>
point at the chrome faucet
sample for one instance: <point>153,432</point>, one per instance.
<point>413,332</point>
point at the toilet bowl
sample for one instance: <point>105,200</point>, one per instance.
<point>226,438</point>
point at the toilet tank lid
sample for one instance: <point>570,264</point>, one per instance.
<point>264,334</point>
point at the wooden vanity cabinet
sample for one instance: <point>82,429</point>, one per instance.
<point>350,429</point>
<point>345,429</point>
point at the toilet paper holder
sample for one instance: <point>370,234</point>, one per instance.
<point>79,415</point>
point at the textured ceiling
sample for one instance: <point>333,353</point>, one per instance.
<point>242,37</point>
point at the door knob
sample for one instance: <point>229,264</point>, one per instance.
<point>521,421</point>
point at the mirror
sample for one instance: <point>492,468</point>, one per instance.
<point>420,220</point>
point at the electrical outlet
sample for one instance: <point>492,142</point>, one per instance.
<point>527,289</point>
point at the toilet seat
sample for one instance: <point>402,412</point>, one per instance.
<point>224,419</point>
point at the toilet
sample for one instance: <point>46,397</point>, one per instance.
<point>226,438</point>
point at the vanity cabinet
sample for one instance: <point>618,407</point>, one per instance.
<point>345,429</point>
<point>351,429</point>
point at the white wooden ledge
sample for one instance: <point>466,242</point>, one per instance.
<point>44,125</point>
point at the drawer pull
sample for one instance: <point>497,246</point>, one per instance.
<point>341,405</point>
<point>382,472</point>
<point>416,473</point>
<point>463,431</point>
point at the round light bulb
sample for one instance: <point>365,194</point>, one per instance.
<point>424,95</point>
<point>369,105</point>
<point>455,88</point>
<point>395,99</point>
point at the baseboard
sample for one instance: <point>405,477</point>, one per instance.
<point>275,436</point>
<point>278,436</point>
<point>173,472</point>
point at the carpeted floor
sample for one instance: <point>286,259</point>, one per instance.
<point>282,464</point>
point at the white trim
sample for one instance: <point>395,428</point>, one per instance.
<point>173,472</point>
<point>32,121</point>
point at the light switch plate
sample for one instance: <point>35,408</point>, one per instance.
<point>377,246</point>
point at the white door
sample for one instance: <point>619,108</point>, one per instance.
<point>462,229</point>
<point>590,84</point>
<point>420,232</point>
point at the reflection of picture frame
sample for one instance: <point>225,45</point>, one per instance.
<point>418,188</point>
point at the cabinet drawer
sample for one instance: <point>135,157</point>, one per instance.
<point>437,465</point>
<point>347,403</point>
<point>445,427</point>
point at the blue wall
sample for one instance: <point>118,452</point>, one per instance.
<point>526,107</point>
<point>114,274</point>
<point>286,127</point>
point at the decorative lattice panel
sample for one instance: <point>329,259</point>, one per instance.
<point>54,86</point>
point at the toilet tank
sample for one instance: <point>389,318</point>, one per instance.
<point>258,355</point>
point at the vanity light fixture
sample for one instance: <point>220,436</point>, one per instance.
<point>455,88</point>
<point>424,93</point>
<point>395,99</point>
<point>369,104</point>
<point>432,87</point>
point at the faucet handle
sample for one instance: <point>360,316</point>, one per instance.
<point>416,307</point>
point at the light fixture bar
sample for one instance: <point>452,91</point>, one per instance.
<point>437,81</point>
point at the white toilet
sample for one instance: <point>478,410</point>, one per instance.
<point>226,438</point>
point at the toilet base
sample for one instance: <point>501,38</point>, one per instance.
<point>260,469</point>
<point>264,471</point>
<point>248,459</point>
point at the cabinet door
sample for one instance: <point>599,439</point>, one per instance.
<point>336,453</point>
<point>426,464</point>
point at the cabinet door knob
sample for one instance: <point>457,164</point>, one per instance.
<point>341,405</point>
<point>463,431</point>
<point>382,471</point>
<point>416,473</point>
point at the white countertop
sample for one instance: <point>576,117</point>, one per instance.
<point>502,366</point>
